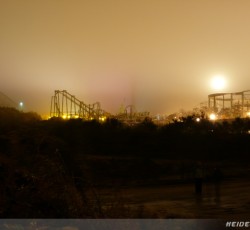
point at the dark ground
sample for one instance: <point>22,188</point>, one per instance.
<point>77,169</point>
<point>180,201</point>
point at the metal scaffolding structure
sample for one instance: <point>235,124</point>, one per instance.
<point>130,115</point>
<point>67,106</point>
<point>224,105</point>
<point>230,105</point>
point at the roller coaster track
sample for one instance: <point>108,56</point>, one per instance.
<point>67,106</point>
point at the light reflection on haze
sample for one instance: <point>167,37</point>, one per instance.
<point>160,55</point>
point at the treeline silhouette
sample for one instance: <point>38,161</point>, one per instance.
<point>53,168</point>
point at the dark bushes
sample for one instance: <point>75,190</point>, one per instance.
<point>49,168</point>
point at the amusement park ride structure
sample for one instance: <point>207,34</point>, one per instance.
<point>230,105</point>
<point>130,115</point>
<point>219,105</point>
<point>67,106</point>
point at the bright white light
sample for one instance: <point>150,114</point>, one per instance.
<point>218,82</point>
<point>212,116</point>
<point>21,104</point>
<point>248,114</point>
<point>198,119</point>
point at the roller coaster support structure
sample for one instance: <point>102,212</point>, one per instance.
<point>67,106</point>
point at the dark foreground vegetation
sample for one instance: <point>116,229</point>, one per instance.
<point>55,168</point>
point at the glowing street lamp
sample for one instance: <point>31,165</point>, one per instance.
<point>212,117</point>
<point>21,105</point>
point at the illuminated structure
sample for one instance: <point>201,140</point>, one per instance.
<point>130,115</point>
<point>67,106</point>
<point>230,105</point>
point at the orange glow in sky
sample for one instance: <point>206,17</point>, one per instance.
<point>157,54</point>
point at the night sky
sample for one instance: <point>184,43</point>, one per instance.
<point>158,54</point>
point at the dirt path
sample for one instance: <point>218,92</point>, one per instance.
<point>179,201</point>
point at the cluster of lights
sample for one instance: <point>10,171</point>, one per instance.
<point>65,117</point>
<point>69,117</point>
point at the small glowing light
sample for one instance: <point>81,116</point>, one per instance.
<point>198,119</point>
<point>21,104</point>
<point>102,118</point>
<point>64,116</point>
<point>248,114</point>
<point>76,116</point>
<point>212,116</point>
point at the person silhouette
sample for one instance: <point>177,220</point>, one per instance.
<point>198,178</point>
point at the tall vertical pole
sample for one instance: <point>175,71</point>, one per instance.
<point>242,104</point>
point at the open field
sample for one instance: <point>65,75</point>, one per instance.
<point>180,201</point>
